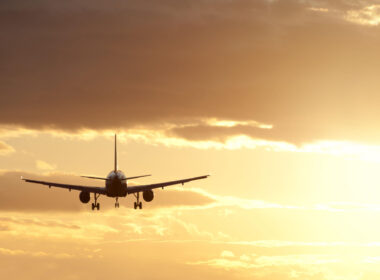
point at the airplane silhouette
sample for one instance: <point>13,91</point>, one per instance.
<point>116,186</point>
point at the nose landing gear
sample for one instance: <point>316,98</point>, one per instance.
<point>117,203</point>
<point>138,203</point>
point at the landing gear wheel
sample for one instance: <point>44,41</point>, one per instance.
<point>137,203</point>
<point>117,205</point>
<point>95,204</point>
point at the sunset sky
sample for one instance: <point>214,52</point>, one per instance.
<point>278,100</point>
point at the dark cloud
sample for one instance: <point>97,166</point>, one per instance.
<point>74,65</point>
<point>16,195</point>
<point>221,134</point>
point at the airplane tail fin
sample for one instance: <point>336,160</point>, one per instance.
<point>115,153</point>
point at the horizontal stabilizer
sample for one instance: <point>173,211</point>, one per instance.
<point>135,177</point>
<point>97,178</point>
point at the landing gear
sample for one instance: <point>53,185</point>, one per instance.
<point>138,203</point>
<point>117,203</point>
<point>95,204</point>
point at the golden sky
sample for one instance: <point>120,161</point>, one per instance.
<point>277,99</point>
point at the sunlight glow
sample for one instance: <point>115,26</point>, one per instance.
<point>233,123</point>
<point>322,10</point>
<point>344,148</point>
<point>367,16</point>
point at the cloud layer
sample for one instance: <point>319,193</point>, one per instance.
<point>309,69</point>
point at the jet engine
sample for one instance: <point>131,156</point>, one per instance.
<point>84,196</point>
<point>148,195</point>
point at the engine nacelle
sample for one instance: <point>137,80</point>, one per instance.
<point>84,196</point>
<point>148,195</point>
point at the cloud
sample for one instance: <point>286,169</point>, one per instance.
<point>227,254</point>
<point>299,266</point>
<point>219,133</point>
<point>286,243</point>
<point>9,252</point>
<point>225,201</point>
<point>42,165</point>
<point>185,197</point>
<point>18,195</point>
<point>36,222</point>
<point>368,15</point>
<point>208,134</point>
<point>5,149</point>
<point>270,62</point>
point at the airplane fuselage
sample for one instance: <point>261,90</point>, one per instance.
<point>116,184</point>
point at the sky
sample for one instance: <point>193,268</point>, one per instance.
<point>276,99</point>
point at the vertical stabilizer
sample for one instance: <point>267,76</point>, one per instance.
<point>115,153</point>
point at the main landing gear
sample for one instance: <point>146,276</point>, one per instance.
<point>95,204</point>
<point>138,203</point>
<point>117,203</point>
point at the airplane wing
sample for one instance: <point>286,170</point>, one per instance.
<point>135,189</point>
<point>98,190</point>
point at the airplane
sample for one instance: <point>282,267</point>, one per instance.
<point>115,186</point>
